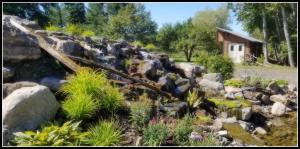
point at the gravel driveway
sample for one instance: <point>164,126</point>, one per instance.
<point>288,74</point>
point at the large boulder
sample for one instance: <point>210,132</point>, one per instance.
<point>274,87</point>
<point>278,109</point>
<point>246,113</point>
<point>190,70</point>
<point>26,108</point>
<point>182,86</point>
<point>8,88</point>
<point>150,68</point>
<point>69,47</point>
<point>279,98</point>
<point>175,109</point>
<point>52,83</point>
<point>18,44</point>
<point>211,87</point>
<point>7,73</point>
<point>216,77</point>
<point>167,82</point>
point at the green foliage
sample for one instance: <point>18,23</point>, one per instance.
<point>282,82</point>
<point>230,103</point>
<point>88,91</point>
<point>234,83</point>
<point>140,113</point>
<point>165,37</point>
<point>137,43</point>
<point>210,140</point>
<point>257,81</point>
<point>105,133</point>
<point>74,29</point>
<point>221,64</point>
<point>183,130</point>
<point>261,59</point>
<point>75,12</point>
<point>151,47</point>
<point>96,17</point>
<point>88,33</point>
<point>193,100</point>
<point>69,134</point>
<point>53,28</point>
<point>202,58</point>
<point>127,63</point>
<point>155,134</point>
<point>203,119</point>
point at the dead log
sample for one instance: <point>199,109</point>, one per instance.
<point>151,85</point>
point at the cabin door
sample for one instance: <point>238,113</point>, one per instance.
<point>236,52</point>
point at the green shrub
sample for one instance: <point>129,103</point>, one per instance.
<point>282,82</point>
<point>69,134</point>
<point>87,91</point>
<point>183,130</point>
<point>261,59</point>
<point>127,63</point>
<point>151,47</point>
<point>202,58</point>
<point>74,29</point>
<point>155,134</point>
<point>140,113</point>
<point>105,133</point>
<point>210,140</point>
<point>234,83</point>
<point>256,81</point>
<point>221,64</point>
<point>88,33</point>
<point>137,43</point>
<point>53,28</point>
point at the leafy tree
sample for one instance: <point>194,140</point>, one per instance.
<point>166,36</point>
<point>113,8</point>
<point>75,12</point>
<point>56,15</point>
<point>96,16</point>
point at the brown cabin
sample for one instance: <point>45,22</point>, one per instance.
<point>238,47</point>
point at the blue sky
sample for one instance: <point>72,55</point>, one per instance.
<point>163,13</point>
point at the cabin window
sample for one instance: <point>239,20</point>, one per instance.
<point>231,48</point>
<point>240,47</point>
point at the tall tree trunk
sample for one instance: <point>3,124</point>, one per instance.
<point>277,45</point>
<point>265,50</point>
<point>287,37</point>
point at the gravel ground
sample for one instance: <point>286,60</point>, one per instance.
<point>288,74</point>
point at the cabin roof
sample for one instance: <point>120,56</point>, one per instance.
<point>240,35</point>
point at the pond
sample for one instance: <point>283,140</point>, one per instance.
<point>281,133</point>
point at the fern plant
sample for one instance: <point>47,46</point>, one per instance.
<point>69,134</point>
<point>193,100</point>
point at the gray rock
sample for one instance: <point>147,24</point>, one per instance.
<point>230,120</point>
<point>52,83</point>
<point>211,87</point>
<point>218,124</point>
<point>250,95</point>
<point>175,109</point>
<point>182,86</point>
<point>260,130</point>
<point>216,77</point>
<point>8,88</point>
<point>7,73</point>
<point>43,33</point>
<point>190,70</point>
<point>26,108</point>
<point>246,126</point>
<point>239,95</point>
<point>69,47</point>
<point>222,133</point>
<point>278,109</point>
<point>246,113</point>
<point>292,87</point>
<point>18,44</point>
<point>167,82</point>
<point>278,98</point>
<point>231,89</point>
<point>273,86</point>
<point>229,96</point>
<point>265,99</point>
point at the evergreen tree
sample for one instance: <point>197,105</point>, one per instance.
<point>75,13</point>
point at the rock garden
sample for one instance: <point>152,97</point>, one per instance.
<point>45,103</point>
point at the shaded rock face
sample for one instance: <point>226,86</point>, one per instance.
<point>69,47</point>
<point>18,44</point>
<point>7,73</point>
<point>26,108</point>
<point>175,109</point>
<point>52,83</point>
<point>8,88</point>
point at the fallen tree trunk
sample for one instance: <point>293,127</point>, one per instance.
<point>151,85</point>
